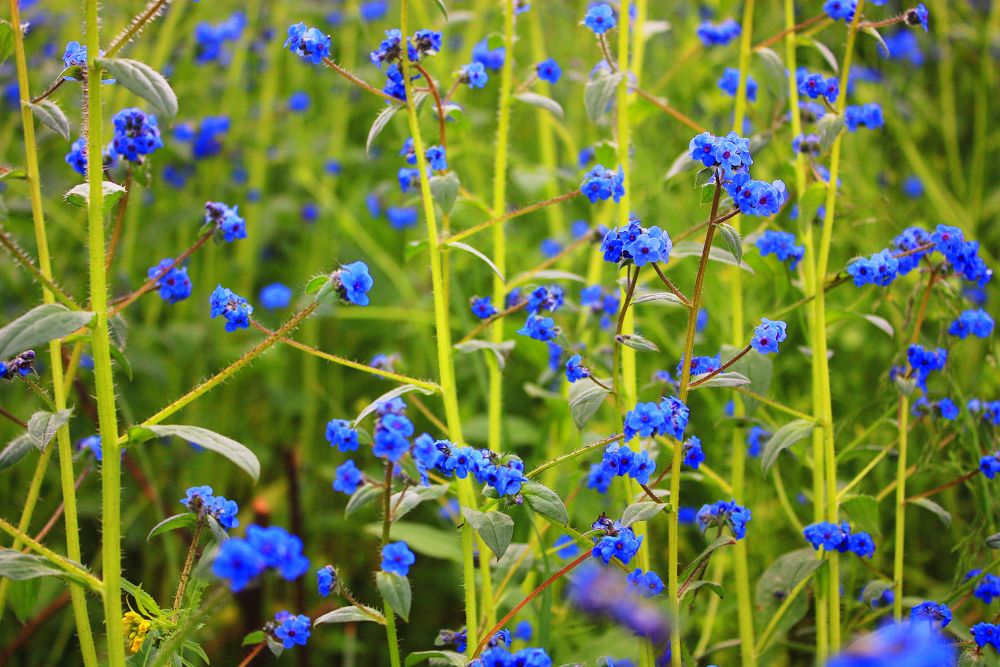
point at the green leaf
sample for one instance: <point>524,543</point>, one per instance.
<point>874,590</point>
<point>599,92</point>
<point>350,614</point>
<point>19,566</point>
<point>174,522</point>
<point>545,501</point>
<point>444,190</point>
<point>500,350</point>
<point>824,51</point>
<point>40,325</point>
<point>442,8</point>
<point>828,128</point>
<point>863,510</point>
<point>878,38</point>
<point>783,438</point>
<point>733,240</point>
<point>542,102</point>
<point>777,582</point>
<point>6,41</point>
<point>257,636</point>
<point>12,173</point>
<point>720,542</point>
<point>145,82</point>
<point>395,590</point>
<point>715,254</point>
<point>274,646</point>
<point>407,499</point>
<point>496,528</point>
<point>715,587</point>
<point>585,398</point>
<point>681,164</point>
<point>381,120</point>
<point>361,497</point>
<point>810,201</point>
<point>775,74</point>
<point>52,117</point>
<point>469,249</point>
<point>637,342</point>
<point>15,450</point>
<point>80,195</point>
<point>494,41</point>
<point>23,597</point>
<point>143,600</point>
<point>442,657</point>
<point>641,511</point>
<point>238,453</point>
<point>387,396</point>
<point>424,540</point>
<point>665,298</point>
<point>726,379</point>
<point>993,541</point>
<point>941,512</point>
<point>316,283</point>
<point>42,426</point>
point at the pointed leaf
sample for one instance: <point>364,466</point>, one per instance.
<point>542,102</point>
<point>18,566</point>
<point>783,438</point>
<point>489,262</point>
<point>642,511</point>
<point>395,590</point>
<point>545,501</point>
<point>40,325</point>
<point>449,658</point>
<point>598,93</point>
<point>637,342</point>
<point>52,117</point>
<point>828,128</point>
<point>15,450</point>
<point>236,452</point>
<point>145,82</point>
<point>665,298</point>
<point>775,74</point>
<point>80,195</point>
<point>444,190</point>
<point>361,497</point>
<point>350,614</point>
<point>174,522</point>
<point>720,542</point>
<point>585,398</point>
<point>42,426</point>
<point>733,240</point>
<point>929,504</point>
<point>496,528</point>
<point>387,396</point>
<point>500,350</point>
<point>725,379</point>
<point>863,511</point>
<point>407,499</point>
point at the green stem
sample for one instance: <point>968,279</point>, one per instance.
<point>744,602</point>
<point>820,346</point>
<point>8,242</point>
<point>546,136</point>
<point>572,455</point>
<point>897,555</point>
<point>65,448</point>
<point>390,616</point>
<point>446,364</point>
<point>111,565</point>
<point>73,569</point>
<point>516,213</point>
<point>188,565</point>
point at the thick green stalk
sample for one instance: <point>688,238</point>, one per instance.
<point>900,533</point>
<point>546,136</point>
<point>495,408</point>
<point>111,565</point>
<point>819,342</point>
<point>446,363</point>
<point>748,653</point>
<point>390,616</point>
<point>77,593</point>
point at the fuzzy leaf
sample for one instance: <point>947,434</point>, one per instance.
<point>444,190</point>
<point>236,452</point>
<point>15,450</point>
<point>406,500</point>
<point>52,117</point>
<point>726,379</point>
<point>489,262</point>
<point>40,325</point>
<point>496,528</point>
<point>637,342</point>
<point>395,590</point>
<point>80,195</point>
<point>542,102</point>
<point>666,298</point>
<point>828,128</point>
<point>6,41</point>
<point>449,658</point>
<point>500,350</point>
<point>599,92</point>
<point>641,511</point>
<point>545,501</point>
<point>42,426</point>
<point>783,438</point>
<point>18,566</point>
<point>941,512</point>
<point>145,82</point>
<point>585,398</point>
<point>733,240</point>
<point>863,510</point>
<point>349,614</point>
<point>361,497</point>
<point>174,522</point>
<point>720,542</point>
<point>775,74</point>
<point>387,396</point>
<point>713,586</point>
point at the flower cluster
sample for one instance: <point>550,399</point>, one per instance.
<point>712,34</point>
<point>816,86</point>
<point>601,591</point>
<point>840,10</point>
<point>700,365</point>
<point>923,361</point>
<point>601,184</point>
<point>619,461</point>
<point>636,244</point>
<point>504,473</point>
<point>723,513</point>
<point>241,560</point>
<point>989,464</point>
<point>730,82</point>
<point>393,430</point>
<point>291,629</point>
<point>781,245</point>
<point>832,537</point>
<point>397,558</point>
<point>864,115</point>
<point>326,579</point>
<point>898,644</point>
<point>669,417</point>
<point>731,156</point>
<point>934,614</point>
<point>879,269</point>
<point>308,43</point>
<point>618,542</point>
<point>353,282</point>
<point>646,584</point>
<point>988,587</point>
<point>601,302</point>
<point>226,220</point>
<point>20,366</point>
<point>914,244</point>
<point>976,322</point>
<point>498,656</point>
<point>986,634</point>
<point>539,328</point>
<point>136,134</point>
<point>435,155</point>
<point>767,335</point>
<point>205,137</point>
<point>233,307</point>
<point>549,298</point>
<point>210,39</point>
<point>201,501</point>
<point>694,455</point>
<point>77,156</point>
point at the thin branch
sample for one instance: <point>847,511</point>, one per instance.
<point>507,216</point>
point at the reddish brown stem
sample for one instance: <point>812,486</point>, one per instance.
<point>253,654</point>
<point>721,368</point>
<point>148,286</point>
<point>437,101</point>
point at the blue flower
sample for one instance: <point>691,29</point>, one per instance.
<point>694,455</point>
<point>724,513</point>
<point>391,437</point>
<point>988,587</point>
<point>239,562</point>
<point>623,545</point>
<point>567,547</point>
<point>489,58</point>
<point>756,437</point>
<point>645,420</point>
<point>642,467</point>
<point>989,465</point>
<point>348,478</point>
<point>275,295</point>
<point>924,361</point>
<point>436,158</point>
<point>539,328</point>
<point>600,184</point>
<point>474,74</point>
<point>918,16</point>
<point>862,545</point>
<point>548,70</point>
<point>523,631</point>
<point>482,307</point>
<point>548,298</point>
<point>600,477</point>
<point>292,630</point>
<point>900,644</point>
<point>353,283</point>
<point>646,584</point>
<point>816,86</point>
<point>767,335</point>
<point>298,101</point>
<point>136,134</point>
<point>173,283</point>
<point>226,220</point>
<point>92,443</point>
<point>575,370</point>
<point>397,557</point>
<point>401,217</point>
<point>781,245</point>
<point>730,82</point>
<point>712,34</point>
<point>75,55</point>
<point>976,322</point>
<point>829,536</point>
<point>947,409</point>
<point>373,10</point>
<point>986,633</point>
<point>600,19</point>
<point>326,578</point>
<point>232,307</point>
<point>340,435</point>
<point>935,614</point>
<point>308,43</point>
<point>840,10</point>
<point>866,115</point>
